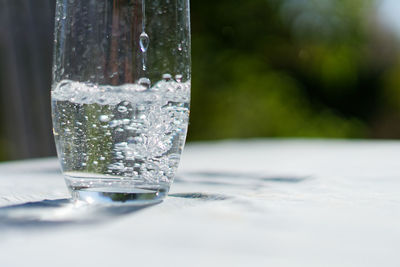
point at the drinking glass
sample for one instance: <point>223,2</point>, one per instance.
<point>120,96</point>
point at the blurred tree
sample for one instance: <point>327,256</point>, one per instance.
<point>283,68</point>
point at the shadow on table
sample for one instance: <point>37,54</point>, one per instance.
<point>64,212</point>
<point>61,212</point>
<point>236,179</point>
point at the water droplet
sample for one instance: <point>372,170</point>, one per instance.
<point>167,77</point>
<point>83,164</point>
<point>95,162</point>
<point>145,82</point>
<point>102,158</point>
<point>104,118</point>
<point>180,47</point>
<point>122,109</point>
<point>178,78</point>
<point>144,41</point>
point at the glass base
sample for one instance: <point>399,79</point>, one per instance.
<point>117,191</point>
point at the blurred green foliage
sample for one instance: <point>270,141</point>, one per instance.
<point>289,68</point>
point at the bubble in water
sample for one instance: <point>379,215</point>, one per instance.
<point>178,78</point>
<point>95,162</point>
<point>122,109</point>
<point>144,41</point>
<point>145,82</point>
<point>104,118</point>
<point>120,146</point>
<point>114,123</point>
<point>102,158</point>
<point>117,166</point>
<point>167,77</point>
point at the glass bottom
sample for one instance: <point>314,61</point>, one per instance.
<point>111,190</point>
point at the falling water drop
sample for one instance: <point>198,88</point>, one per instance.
<point>144,42</point>
<point>144,38</point>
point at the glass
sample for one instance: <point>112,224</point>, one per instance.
<point>120,96</point>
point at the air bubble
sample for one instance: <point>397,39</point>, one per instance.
<point>167,77</point>
<point>178,78</point>
<point>114,123</point>
<point>104,118</point>
<point>145,82</point>
<point>122,109</point>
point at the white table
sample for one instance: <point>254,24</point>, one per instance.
<point>234,203</point>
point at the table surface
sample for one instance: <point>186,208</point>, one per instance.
<point>233,203</point>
